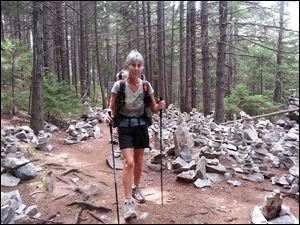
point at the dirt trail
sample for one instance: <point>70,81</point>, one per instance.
<point>183,203</point>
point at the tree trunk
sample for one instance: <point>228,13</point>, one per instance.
<point>182,73</point>
<point>150,42</point>
<point>230,58</point>
<point>67,49</point>
<point>137,23</point>
<point>2,28</point>
<point>170,82</point>
<point>160,46</point>
<point>117,51</point>
<point>219,106</point>
<point>75,73</point>
<point>18,22</point>
<point>165,78</point>
<point>145,40</point>
<point>188,78</point>
<point>205,59</point>
<point>37,117</point>
<point>98,60</point>
<point>61,42</point>
<point>277,95</point>
<point>193,56</point>
<point>13,83</point>
<point>83,80</point>
<point>87,47</point>
<point>48,39</point>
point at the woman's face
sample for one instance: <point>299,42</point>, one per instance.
<point>135,68</point>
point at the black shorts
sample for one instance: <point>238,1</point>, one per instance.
<point>133,137</point>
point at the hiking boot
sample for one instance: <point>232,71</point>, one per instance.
<point>137,195</point>
<point>129,211</point>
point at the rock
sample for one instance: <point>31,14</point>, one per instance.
<point>22,219</point>
<point>215,178</point>
<point>272,205</point>
<point>257,217</point>
<point>286,219</point>
<point>201,168</point>
<point>188,176</point>
<point>8,180</point>
<point>7,213</point>
<point>178,163</point>
<point>155,167</point>
<point>70,141</point>
<point>26,172</point>
<point>11,162</point>
<point>186,153</point>
<point>294,171</point>
<point>294,189</point>
<point>234,183</point>
<point>220,169</point>
<point>118,162</point>
<point>21,135</point>
<point>254,177</point>
<point>200,183</point>
<point>32,211</point>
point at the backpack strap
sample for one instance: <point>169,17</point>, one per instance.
<point>120,103</point>
<point>147,102</point>
<point>147,98</point>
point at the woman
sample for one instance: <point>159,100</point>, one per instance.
<point>132,129</point>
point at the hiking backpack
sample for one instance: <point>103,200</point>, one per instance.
<point>147,116</point>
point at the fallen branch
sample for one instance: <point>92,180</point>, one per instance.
<point>52,216</point>
<point>71,179</point>
<point>70,171</point>
<point>283,192</point>
<point>104,171</point>
<point>62,180</point>
<point>65,195</point>
<point>90,207</point>
<point>76,171</point>
<point>196,213</point>
<point>266,115</point>
<point>52,164</point>
<point>77,216</point>
<point>45,221</point>
<point>96,217</point>
<point>36,192</point>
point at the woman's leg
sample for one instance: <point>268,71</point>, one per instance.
<point>128,171</point>
<point>138,165</point>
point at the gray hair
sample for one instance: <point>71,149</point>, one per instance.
<point>132,56</point>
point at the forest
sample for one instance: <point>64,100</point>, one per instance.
<point>225,57</point>
<point>225,149</point>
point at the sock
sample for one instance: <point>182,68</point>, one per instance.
<point>128,200</point>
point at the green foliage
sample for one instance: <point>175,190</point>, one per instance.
<point>241,100</point>
<point>31,151</point>
<point>59,101</point>
<point>44,182</point>
<point>6,101</point>
<point>16,61</point>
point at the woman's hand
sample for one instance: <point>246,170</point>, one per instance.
<point>161,104</point>
<point>109,116</point>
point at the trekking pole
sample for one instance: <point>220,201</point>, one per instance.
<point>114,167</point>
<point>161,169</point>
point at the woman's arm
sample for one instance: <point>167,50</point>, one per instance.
<point>111,107</point>
<point>112,102</point>
<point>155,107</point>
